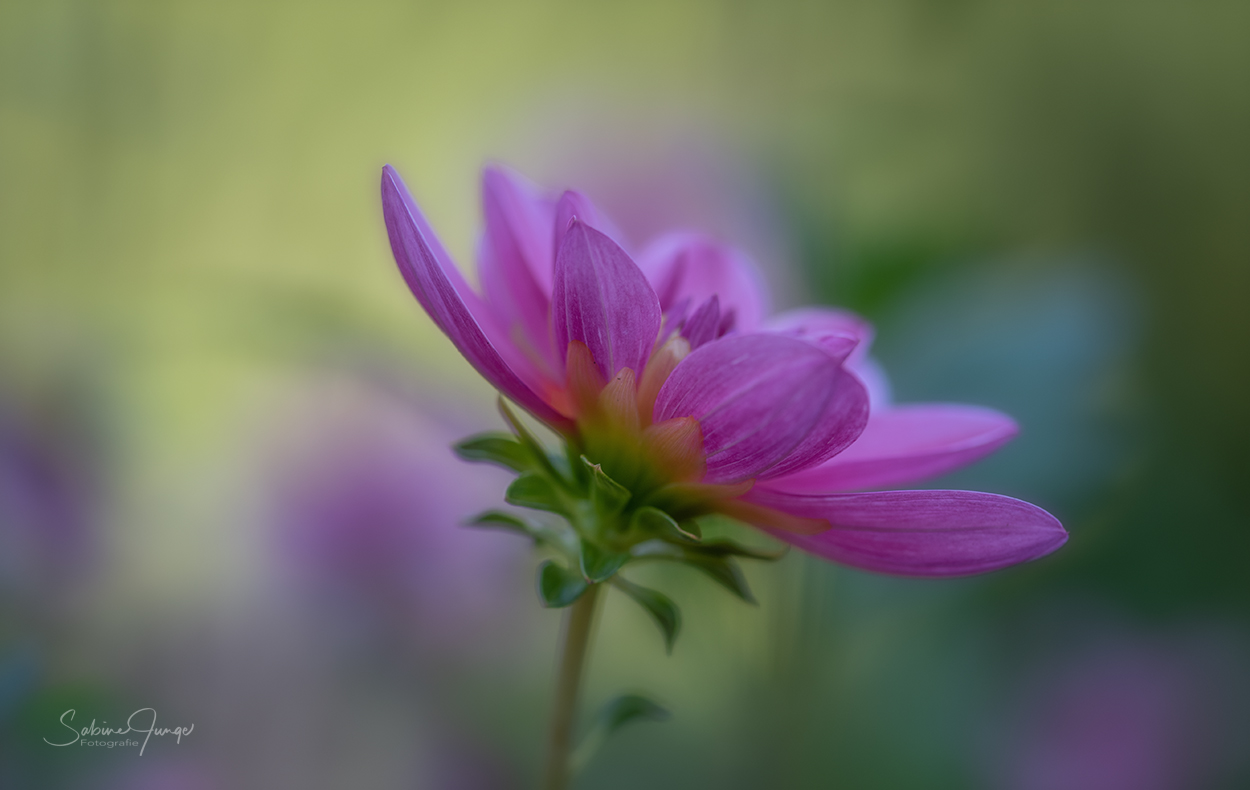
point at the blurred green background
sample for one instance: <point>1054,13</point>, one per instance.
<point>1043,206</point>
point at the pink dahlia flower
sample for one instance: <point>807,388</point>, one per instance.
<point>665,375</point>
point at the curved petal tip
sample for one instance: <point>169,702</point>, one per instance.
<point>921,533</point>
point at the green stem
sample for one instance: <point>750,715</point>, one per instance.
<point>576,638</point>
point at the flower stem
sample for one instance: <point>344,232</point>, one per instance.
<point>576,638</point>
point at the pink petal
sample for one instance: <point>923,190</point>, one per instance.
<point>519,219</point>
<point>453,306</point>
<point>920,533</point>
<point>574,204</point>
<point>691,266</point>
<point>906,444</point>
<point>846,415</point>
<point>704,325</point>
<point>812,322</point>
<point>818,323</point>
<point>870,372</point>
<point>602,300</point>
<point>515,261</point>
<point>757,398</point>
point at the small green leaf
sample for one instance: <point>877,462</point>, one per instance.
<point>530,442</point>
<point>558,586</point>
<point>498,519</point>
<point>729,548</point>
<point>630,707</point>
<point>612,716</point>
<point>725,572</point>
<point>514,422</point>
<point>607,494</point>
<point>572,461</point>
<point>661,608</point>
<point>495,448</point>
<point>534,491</point>
<point>657,549</point>
<point>657,522</point>
<point>654,520</point>
<point>599,565</point>
<point>501,520</point>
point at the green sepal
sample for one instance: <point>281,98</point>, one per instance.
<point>652,520</point>
<point>729,548</point>
<point>501,520</point>
<point>496,448</point>
<point>690,530</point>
<point>564,539</point>
<point>527,439</point>
<point>608,495</point>
<point>612,716</point>
<point>725,572</point>
<point>558,586</point>
<point>534,491</point>
<point>571,462</point>
<point>658,549</point>
<point>661,608</point>
<point>599,565</point>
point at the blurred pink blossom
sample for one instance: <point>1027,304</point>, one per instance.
<point>1126,710</point>
<point>370,503</point>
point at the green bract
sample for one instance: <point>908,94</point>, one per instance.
<point>605,526</point>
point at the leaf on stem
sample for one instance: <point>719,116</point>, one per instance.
<point>599,565</point>
<point>725,572</point>
<point>612,716</point>
<point>558,586</point>
<point>729,548</point>
<point>630,707</point>
<point>690,529</point>
<point>656,522</point>
<point>608,495</point>
<point>534,491</point>
<point>501,520</point>
<point>495,448</point>
<point>527,439</point>
<point>661,608</point>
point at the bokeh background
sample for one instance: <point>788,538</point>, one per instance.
<point>224,485</point>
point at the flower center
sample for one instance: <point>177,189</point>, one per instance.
<point>660,464</point>
<point>614,422</point>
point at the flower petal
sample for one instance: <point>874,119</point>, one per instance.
<point>703,326</point>
<point>769,519</point>
<point>690,266</point>
<point>675,449</point>
<point>574,204</point>
<point>844,419</point>
<point>906,444</point>
<point>601,299</point>
<point>920,533</point>
<point>661,365</point>
<point>870,372</point>
<point>452,305</point>
<point>756,397</point>
<point>813,322</point>
<point>519,219</point>
<point>820,323</point>
<point>515,261</point>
